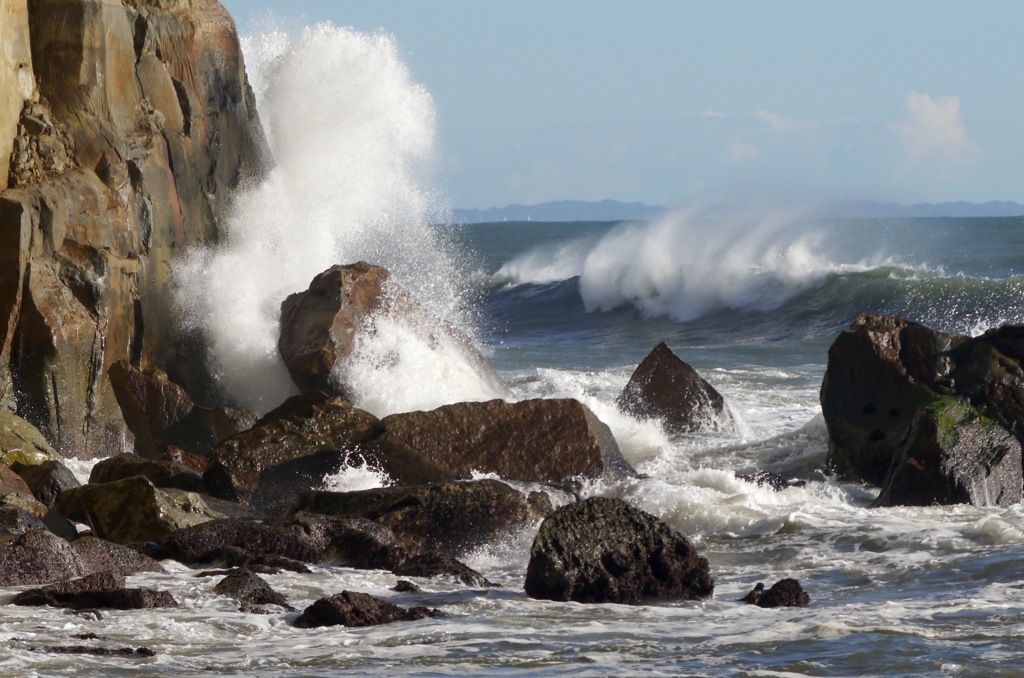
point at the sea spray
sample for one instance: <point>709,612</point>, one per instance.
<point>353,140</point>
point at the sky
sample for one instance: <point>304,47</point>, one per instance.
<point>670,101</point>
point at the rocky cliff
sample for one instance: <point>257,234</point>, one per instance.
<point>124,126</point>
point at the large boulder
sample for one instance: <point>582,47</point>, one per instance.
<point>48,480</point>
<point>301,426</point>
<point>122,158</point>
<point>165,474</point>
<point>455,517</point>
<point>37,557</point>
<point>250,590</point>
<point>604,551</point>
<point>320,326</point>
<point>208,541</point>
<point>356,609</point>
<point>160,413</point>
<point>954,455</point>
<point>133,510</point>
<point>540,440</point>
<point>100,555</point>
<point>666,388</point>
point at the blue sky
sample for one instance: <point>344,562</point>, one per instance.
<point>665,101</point>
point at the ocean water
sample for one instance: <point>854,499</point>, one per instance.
<point>751,295</point>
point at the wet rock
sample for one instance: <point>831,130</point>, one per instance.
<point>96,651</point>
<point>99,555</point>
<point>47,480</point>
<point>160,413</point>
<point>784,593</point>
<point>406,586</point>
<point>319,326</point>
<point>15,520</point>
<point>755,594</point>
<point>205,543</point>
<point>439,564</point>
<point>604,551</point>
<point>132,509</point>
<point>454,517</point>
<point>299,427</point>
<point>772,480</point>
<point>12,481</point>
<point>250,590</point>
<point>21,442</point>
<point>356,609</point>
<point>10,498</point>
<point>545,441</point>
<point>118,599</point>
<point>37,557</point>
<point>164,474</point>
<point>54,594</point>
<point>668,389</point>
<point>954,455</point>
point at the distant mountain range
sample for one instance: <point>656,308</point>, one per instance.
<point>613,210</point>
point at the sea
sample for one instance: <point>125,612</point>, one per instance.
<point>752,294</point>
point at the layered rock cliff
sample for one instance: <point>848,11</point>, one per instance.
<point>124,126</point>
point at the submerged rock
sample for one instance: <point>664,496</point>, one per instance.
<point>666,388</point>
<point>783,593</point>
<point>356,609</point>
<point>250,590</point>
<point>604,551</point>
<point>954,455</point>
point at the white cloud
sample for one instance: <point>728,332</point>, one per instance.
<point>934,130</point>
<point>712,113</point>
<point>777,122</point>
<point>739,152</point>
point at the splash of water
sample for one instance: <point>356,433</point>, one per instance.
<point>353,138</point>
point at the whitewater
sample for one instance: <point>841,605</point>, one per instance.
<point>752,295</point>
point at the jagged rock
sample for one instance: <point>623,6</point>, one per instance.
<point>546,441</point>
<point>319,326</point>
<point>133,510</point>
<point>164,474</point>
<point>783,593</point>
<point>37,557</point>
<point>281,483</point>
<point>454,517</point>
<point>98,555</point>
<point>48,480</point>
<point>51,594</point>
<point>250,590</point>
<point>160,414</point>
<point>356,609</point>
<point>299,427</point>
<point>118,167</point>
<point>604,551</point>
<point>954,455</point>
<point>668,389</point>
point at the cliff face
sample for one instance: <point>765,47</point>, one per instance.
<point>121,157</point>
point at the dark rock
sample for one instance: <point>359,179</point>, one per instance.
<point>132,509</point>
<point>772,480</point>
<point>52,594</point>
<point>98,555</point>
<point>546,441</point>
<point>454,517</point>
<point>47,480</point>
<point>269,563</point>
<point>250,590</point>
<point>438,564</point>
<point>57,523</point>
<point>119,599</point>
<point>668,389</point>
<point>159,472</point>
<point>784,593</point>
<point>954,455</point>
<point>299,427</point>
<point>406,586</point>
<point>279,484</point>
<point>96,651</point>
<point>356,609</point>
<point>37,557</point>
<point>755,594</point>
<point>319,326</point>
<point>604,551</point>
<point>14,520</point>
<point>205,543</point>
<point>10,479</point>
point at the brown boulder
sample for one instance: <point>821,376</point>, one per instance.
<point>250,590</point>
<point>99,555</point>
<point>161,473</point>
<point>47,480</point>
<point>37,557</point>
<point>301,426</point>
<point>319,326</point>
<point>356,609</point>
<point>668,389</point>
<point>604,551</point>
<point>545,441</point>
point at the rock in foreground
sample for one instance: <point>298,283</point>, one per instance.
<point>604,551</point>
<point>356,609</point>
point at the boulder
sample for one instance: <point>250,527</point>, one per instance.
<point>280,484</point>
<point>115,168</point>
<point>48,480</point>
<point>666,388</point>
<point>21,442</point>
<point>114,599</point>
<point>320,326</point>
<point>301,426</point>
<point>160,413</point>
<point>356,609</point>
<point>544,441</point>
<point>51,593</point>
<point>602,550</point>
<point>954,455</point>
<point>133,510</point>
<point>165,474</point>
<point>11,498</point>
<point>250,590</point>
<point>455,517</point>
<point>783,593</point>
<point>206,542</point>
<point>100,555</point>
<point>15,520</point>
<point>12,481</point>
<point>37,557</point>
